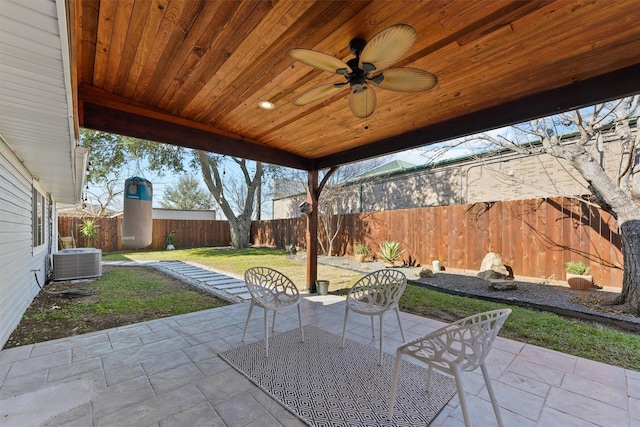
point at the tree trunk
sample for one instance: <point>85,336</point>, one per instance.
<point>240,225</point>
<point>259,202</point>
<point>628,216</point>
<point>630,295</point>
<point>327,229</point>
<point>240,233</point>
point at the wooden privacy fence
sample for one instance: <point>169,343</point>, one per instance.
<point>188,233</point>
<point>535,237</point>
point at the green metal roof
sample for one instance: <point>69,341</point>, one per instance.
<point>386,169</point>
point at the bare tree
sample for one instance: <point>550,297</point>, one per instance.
<point>334,203</point>
<point>240,222</point>
<point>595,129</point>
<point>107,195</point>
<point>113,158</point>
<point>330,215</point>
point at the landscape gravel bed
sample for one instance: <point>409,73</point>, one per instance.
<point>586,305</point>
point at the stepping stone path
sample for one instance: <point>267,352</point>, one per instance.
<point>218,284</point>
<point>210,281</point>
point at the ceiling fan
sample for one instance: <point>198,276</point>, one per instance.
<point>369,68</point>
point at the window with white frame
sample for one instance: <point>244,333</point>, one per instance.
<point>38,218</point>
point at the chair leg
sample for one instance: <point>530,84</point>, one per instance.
<point>381,335</point>
<point>344,327</point>
<point>247,322</point>
<point>266,334</point>
<point>463,400</point>
<point>300,321</point>
<point>373,331</point>
<point>492,395</point>
<point>394,386</point>
<point>400,323</point>
<point>273,322</point>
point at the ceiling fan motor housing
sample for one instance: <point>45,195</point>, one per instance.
<point>356,78</point>
<point>356,46</point>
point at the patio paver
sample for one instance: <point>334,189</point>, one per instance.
<point>167,372</point>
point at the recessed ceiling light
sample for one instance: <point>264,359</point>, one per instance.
<point>266,105</point>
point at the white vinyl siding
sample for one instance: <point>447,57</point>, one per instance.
<point>37,146</point>
<point>17,254</point>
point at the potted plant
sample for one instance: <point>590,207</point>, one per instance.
<point>578,276</point>
<point>390,252</point>
<point>89,229</point>
<point>361,252</point>
<point>171,239</point>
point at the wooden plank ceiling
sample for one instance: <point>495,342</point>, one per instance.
<point>191,72</point>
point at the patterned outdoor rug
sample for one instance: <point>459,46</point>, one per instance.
<point>325,385</point>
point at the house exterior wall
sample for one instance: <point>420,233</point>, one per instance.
<point>517,177</point>
<point>426,187</point>
<point>509,176</point>
<point>18,257</point>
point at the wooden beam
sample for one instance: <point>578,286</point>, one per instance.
<point>312,230</point>
<point>125,123</point>
<point>607,87</point>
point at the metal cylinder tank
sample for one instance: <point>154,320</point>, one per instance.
<point>137,221</point>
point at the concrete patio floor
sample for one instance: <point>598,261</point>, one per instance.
<point>167,372</point>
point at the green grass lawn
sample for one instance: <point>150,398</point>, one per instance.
<point>570,336</point>
<point>238,261</point>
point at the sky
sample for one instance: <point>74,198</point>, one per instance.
<point>416,156</point>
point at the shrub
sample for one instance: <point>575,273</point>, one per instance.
<point>361,249</point>
<point>577,268</point>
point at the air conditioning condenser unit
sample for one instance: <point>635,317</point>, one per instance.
<point>77,263</point>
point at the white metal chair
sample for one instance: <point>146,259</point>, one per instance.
<point>270,290</point>
<point>374,295</point>
<point>458,347</point>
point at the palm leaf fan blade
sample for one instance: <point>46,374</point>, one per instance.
<point>407,80</point>
<point>388,46</point>
<point>362,103</point>
<point>319,60</point>
<point>318,93</point>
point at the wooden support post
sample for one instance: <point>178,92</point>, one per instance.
<point>312,230</point>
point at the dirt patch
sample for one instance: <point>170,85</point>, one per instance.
<point>602,304</point>
<point>37,327</point>
<point>51,316</point>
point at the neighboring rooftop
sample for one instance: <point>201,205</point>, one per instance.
<point>393,167</point>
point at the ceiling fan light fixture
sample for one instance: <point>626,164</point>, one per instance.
<point>369,68</point>
<point>266,105</point>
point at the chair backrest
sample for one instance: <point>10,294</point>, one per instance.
<point>470,339</point>
<point>381,288</point>
<point>269,285</point>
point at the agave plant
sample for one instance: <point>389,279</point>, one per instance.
<point>390,251</point>
<point>361,249</point>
